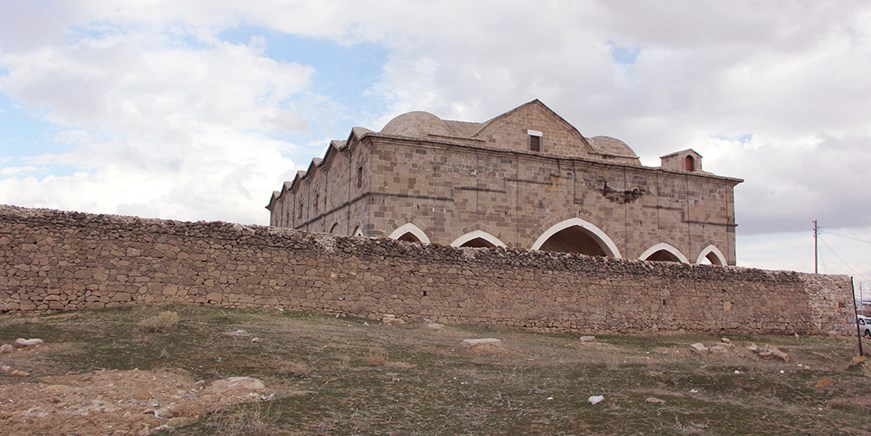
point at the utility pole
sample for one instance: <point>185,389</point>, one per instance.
<point>816,231</point>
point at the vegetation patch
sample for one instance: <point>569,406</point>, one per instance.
<point>328,374</point>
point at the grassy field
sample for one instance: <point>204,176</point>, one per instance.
<point>351,376</point>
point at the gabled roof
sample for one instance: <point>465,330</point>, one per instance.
<point>690,150</point>
<point>483,128</point>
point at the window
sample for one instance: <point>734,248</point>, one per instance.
<point>317,201</point>
<point>691,163</point>
<point>360,176</point>
<point>534,140</point>
<point>299,210</point>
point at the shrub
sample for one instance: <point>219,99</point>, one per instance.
<point>375,358</point>
<point>160,323</point>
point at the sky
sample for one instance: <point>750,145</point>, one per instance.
<point>198,110</point>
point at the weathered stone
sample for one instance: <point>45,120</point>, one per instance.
<point>472,343</point>
<point>368,277</point>
<point>699,348</point>
<point>718,349</point>
<point>28,343</point>
<point>6,348</point>
<point>587,339</point>
<point>391,319</point>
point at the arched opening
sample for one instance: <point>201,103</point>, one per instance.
<point>411,233</point>
<point>334,228</point>
<point>663,252</point>
<point>408,237</point>
<point>358,231</point>
<point>479,239</point>
<point>573,240</point>
<point>662,256</point>
<point>478,243</point>
<point>712,256</point>
<point>577,236</point>
<point>691,163</point>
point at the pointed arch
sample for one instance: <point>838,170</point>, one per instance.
<point>713,254</point>
<point>666,248</point>
<point>403,232</point>
<point>334,228</point>
<point>477,234</point>
<point>609,248</point>
<point>358,231</point>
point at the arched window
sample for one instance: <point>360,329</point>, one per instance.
<point>691,163</point>
<point>575,235</point>
<point>411,233</point>
<point>663,252</point>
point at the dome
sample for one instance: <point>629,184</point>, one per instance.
<point>612,146</point>
<point>416,124</point>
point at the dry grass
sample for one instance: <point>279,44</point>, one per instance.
<point>295,369</point>
<point>376,357</point>
<point>356,378</point>
<point>160,323</point>
<point>255,419</point>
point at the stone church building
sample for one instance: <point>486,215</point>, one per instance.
<point>525,179</point>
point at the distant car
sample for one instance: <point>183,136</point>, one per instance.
<point>864,325</point>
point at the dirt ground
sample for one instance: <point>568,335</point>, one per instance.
<point>222,371</point>
<point>112,401</point>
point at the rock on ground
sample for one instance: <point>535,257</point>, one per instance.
<point>391,319</point>
<point>23,343</point>
<point>472,343</point>
<point>587,339</point>
<point>699,348</point>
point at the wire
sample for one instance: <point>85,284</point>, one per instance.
<point>842,260</point>
<point>848,237</point>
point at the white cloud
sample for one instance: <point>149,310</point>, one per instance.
<point>147,92</point>
<point>159,126</point>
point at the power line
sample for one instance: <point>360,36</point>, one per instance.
<point>842,260</point>
<point>848,237</point>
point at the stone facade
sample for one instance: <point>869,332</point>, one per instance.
<point>526,179</point>
<point>52,260</point>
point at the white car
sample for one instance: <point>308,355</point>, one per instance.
<point>864,323</point>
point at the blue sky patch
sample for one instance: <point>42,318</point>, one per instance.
<point>623,55</point>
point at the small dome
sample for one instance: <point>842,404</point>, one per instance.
<point>612,146</point>
<point>416,124</point>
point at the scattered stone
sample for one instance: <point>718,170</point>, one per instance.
<point>769,352</point>
<point>699,348</point>
<point>858,360</point>
<point>235,385</point>
<point>6,348</point>
<point>391,319</point>
<point>726,340</point>
<point>752,347</point>
<point>18,373</point>
<point>654,400</point>
<point>718,349</point>
<point>778,354</point>
<point>238,333</point>
<point>825,381</point>
<point>6,368</point>
<point>588,339</point>
<point>596,399</point>
<point>164,354</point>
<point>255,339</point>
<point>472,343</point>
<point>435,326</point>
<point>25,343</point>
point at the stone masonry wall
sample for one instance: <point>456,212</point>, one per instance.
<point>53,260</point>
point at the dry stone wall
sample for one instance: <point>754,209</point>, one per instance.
<point>54,260</point>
